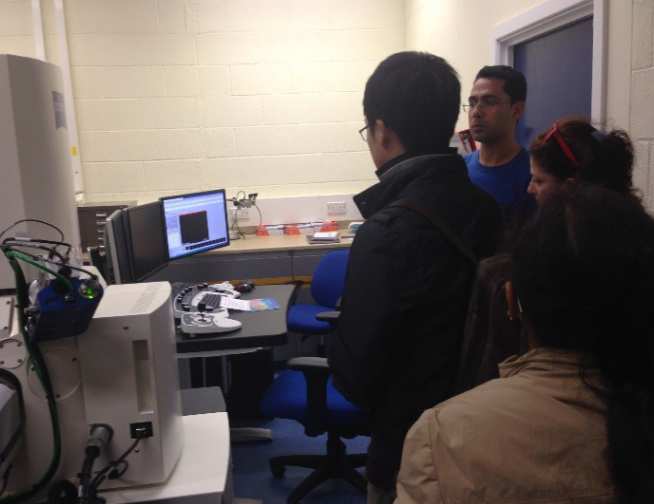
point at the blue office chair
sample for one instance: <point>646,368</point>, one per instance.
<point>327,287</point>
<point>304,393</point>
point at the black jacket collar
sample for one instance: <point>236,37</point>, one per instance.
<point>401,172</point>
<point>389,164</point>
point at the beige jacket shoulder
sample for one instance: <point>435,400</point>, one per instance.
<point>535,435</point>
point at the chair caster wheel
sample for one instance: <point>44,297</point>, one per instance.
<point>277,471</point>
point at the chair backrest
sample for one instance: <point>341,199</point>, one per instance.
<point>328,280</point>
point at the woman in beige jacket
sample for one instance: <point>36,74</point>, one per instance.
<point>571,421</point>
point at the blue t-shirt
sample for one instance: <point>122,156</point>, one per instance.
<point>506,183</point>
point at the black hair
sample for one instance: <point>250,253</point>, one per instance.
<point>515,84</point>
<point>604,159</point>
<point>584,273</point>
<point>418,96</point>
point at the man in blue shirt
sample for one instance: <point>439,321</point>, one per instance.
<point>501,166</point>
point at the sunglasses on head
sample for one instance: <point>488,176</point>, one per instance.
<point>565,148</point>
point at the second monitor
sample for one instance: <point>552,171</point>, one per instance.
<point>195,222</point>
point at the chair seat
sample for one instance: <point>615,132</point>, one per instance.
<point>302,319</point>
<point>287,398</point>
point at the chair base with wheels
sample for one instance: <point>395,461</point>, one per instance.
<point>336,464</point>
<point>305,393</point>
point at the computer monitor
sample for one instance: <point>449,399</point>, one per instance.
<point>117,248</point>
<point>147,245</point>
<point>195,222</point>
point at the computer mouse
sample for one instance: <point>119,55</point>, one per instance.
<point>244,287</point>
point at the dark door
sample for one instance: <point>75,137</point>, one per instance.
<point>558,67</point>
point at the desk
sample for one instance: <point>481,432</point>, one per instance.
<point>293,243</point>
<point>263,328</point>
<point>270,259</point>
<point>260,329</point>
<point>203,473</point>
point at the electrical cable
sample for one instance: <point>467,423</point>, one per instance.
<point>43,375</point>
<point>61,233</point>
<point>100,476</point>
<point>100,436</point>
<point>15,254</point>
<point>10,242</point>
<point>56,243</point>
<point>39,258</point>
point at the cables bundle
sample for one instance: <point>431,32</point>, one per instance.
<point>62,307</point>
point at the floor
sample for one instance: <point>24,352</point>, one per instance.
<point>253,480</point>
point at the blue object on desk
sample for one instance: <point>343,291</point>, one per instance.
<point>327,287</point>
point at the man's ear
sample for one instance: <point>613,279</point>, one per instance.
<point>380,131</point>
<point>386,136</point>
<point>518,109</point>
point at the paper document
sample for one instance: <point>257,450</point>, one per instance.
<point>235,304</point>
<point>249,305</point>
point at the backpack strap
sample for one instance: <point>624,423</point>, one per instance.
<point>437,222</point>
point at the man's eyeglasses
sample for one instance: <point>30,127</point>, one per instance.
<point>363,133</point>
<point>482,103</point>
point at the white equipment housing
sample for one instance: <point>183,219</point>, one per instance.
<point>37,176</point>
<point>129,376</point>
<point>121,371</point>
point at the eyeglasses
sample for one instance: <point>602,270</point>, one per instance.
<point>363,133</point>
<point>565,148</point>
<point>482,103</point>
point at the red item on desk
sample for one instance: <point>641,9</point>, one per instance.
<point>329,226</point>
<point>262,231</point>
<point>291,229</point>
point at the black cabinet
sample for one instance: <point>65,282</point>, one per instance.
<point>92,217</point>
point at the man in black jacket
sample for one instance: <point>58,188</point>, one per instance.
<point>397,346</point>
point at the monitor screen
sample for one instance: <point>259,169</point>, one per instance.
<point>195,222</point>
<point>148,245</point>
<point>117,248</point>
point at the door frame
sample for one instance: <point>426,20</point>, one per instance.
<point>552,15</point>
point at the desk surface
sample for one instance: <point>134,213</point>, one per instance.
<point>202,473</point>
<point>254,243</point>
<point>261,328</point>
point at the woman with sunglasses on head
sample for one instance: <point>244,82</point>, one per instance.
<point>572,151</point>
<point>572,420</point>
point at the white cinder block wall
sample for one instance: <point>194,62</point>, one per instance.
<point>265,95</point>
<point>642,95</point>
<point>459,31</point>
<point>255,95</point>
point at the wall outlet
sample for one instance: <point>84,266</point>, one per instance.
<point>336,208</point>
<point>243,214</point>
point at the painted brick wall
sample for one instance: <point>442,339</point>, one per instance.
<point>16,28</point>
<point>254,95</point>
<point>642,96</point>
